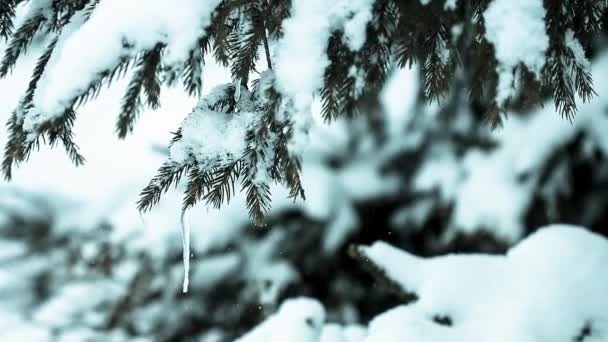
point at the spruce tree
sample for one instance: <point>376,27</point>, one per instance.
<point>261,125</point>
<point>457,44</point>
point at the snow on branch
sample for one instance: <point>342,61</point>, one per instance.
<point>516,28</point>
<point>231,135</point>
<point>209,135</point>
<point>305,46</point>
<point>115,30</point>
<point>344,58</point>
<point>297,320</point>
<point>548,287</point>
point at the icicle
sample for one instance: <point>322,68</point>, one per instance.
<point>237,90</point>
<point>186,250</point>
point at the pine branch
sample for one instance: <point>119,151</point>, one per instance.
<point>334,78</point>
<point>558,78</point>
<point>292,169</point>
<point>193,70</point>
<point>222,26</point>
<point>7,17</point>
<point>13,150</point>
<point>407,41</point>
<point>145,79</point>
<point>483,79</point>
<point>192,76</point>
<point>37,74</point>
<point>563,75</point>
<point>244,43</point>
<point>284,167</point>
<point>368,66</point>
<point>61,131</point>
<point>199,182</point>
<point>354,78</point>
<point>583,82</point>
<point>62,12</point>
<point>278,10</point>
<point>587,18</point>
<point>21,143</point>
<point>106,77</point>
<point>437,66</point>
<point>494,117</point>
<point>215,182</point>
<point>407,31</point>
<point>177,135</point>
<point>90,8</point>
<point>258,200</point>
<point>287,168</point>
<point>151,81</point>
<point>257,189</point>
<point>167,175</point>
<point>222,184</point>
<point>20,42</point>
<point>376,53</point>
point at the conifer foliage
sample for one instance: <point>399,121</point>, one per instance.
<point>454,42</point>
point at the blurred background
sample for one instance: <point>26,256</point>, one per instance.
<point>78,262</point>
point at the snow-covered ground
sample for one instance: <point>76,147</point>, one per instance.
<point>549,287</point>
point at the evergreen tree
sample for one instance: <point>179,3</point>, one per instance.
<point>464,48</point>
<point>434,197</point>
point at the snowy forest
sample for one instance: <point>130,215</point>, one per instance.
<point>304,170</point>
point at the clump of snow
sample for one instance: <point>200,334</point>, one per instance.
<point>398,98</point>
<point>213,137</point>
<point>498,186</point>
<point>355,27</point>
<point>270,276</point>
<point>336,333</point>
<point>297,320</point>
<point>33,9</point>
<point>115,30</point>
<point>487,189</point>
<point>524,42</point>
<point>354,333</point>
<point>450,5</point>
<point>546,288</point>
<point>441,171</point>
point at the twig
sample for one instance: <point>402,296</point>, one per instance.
<point>266,48</point>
